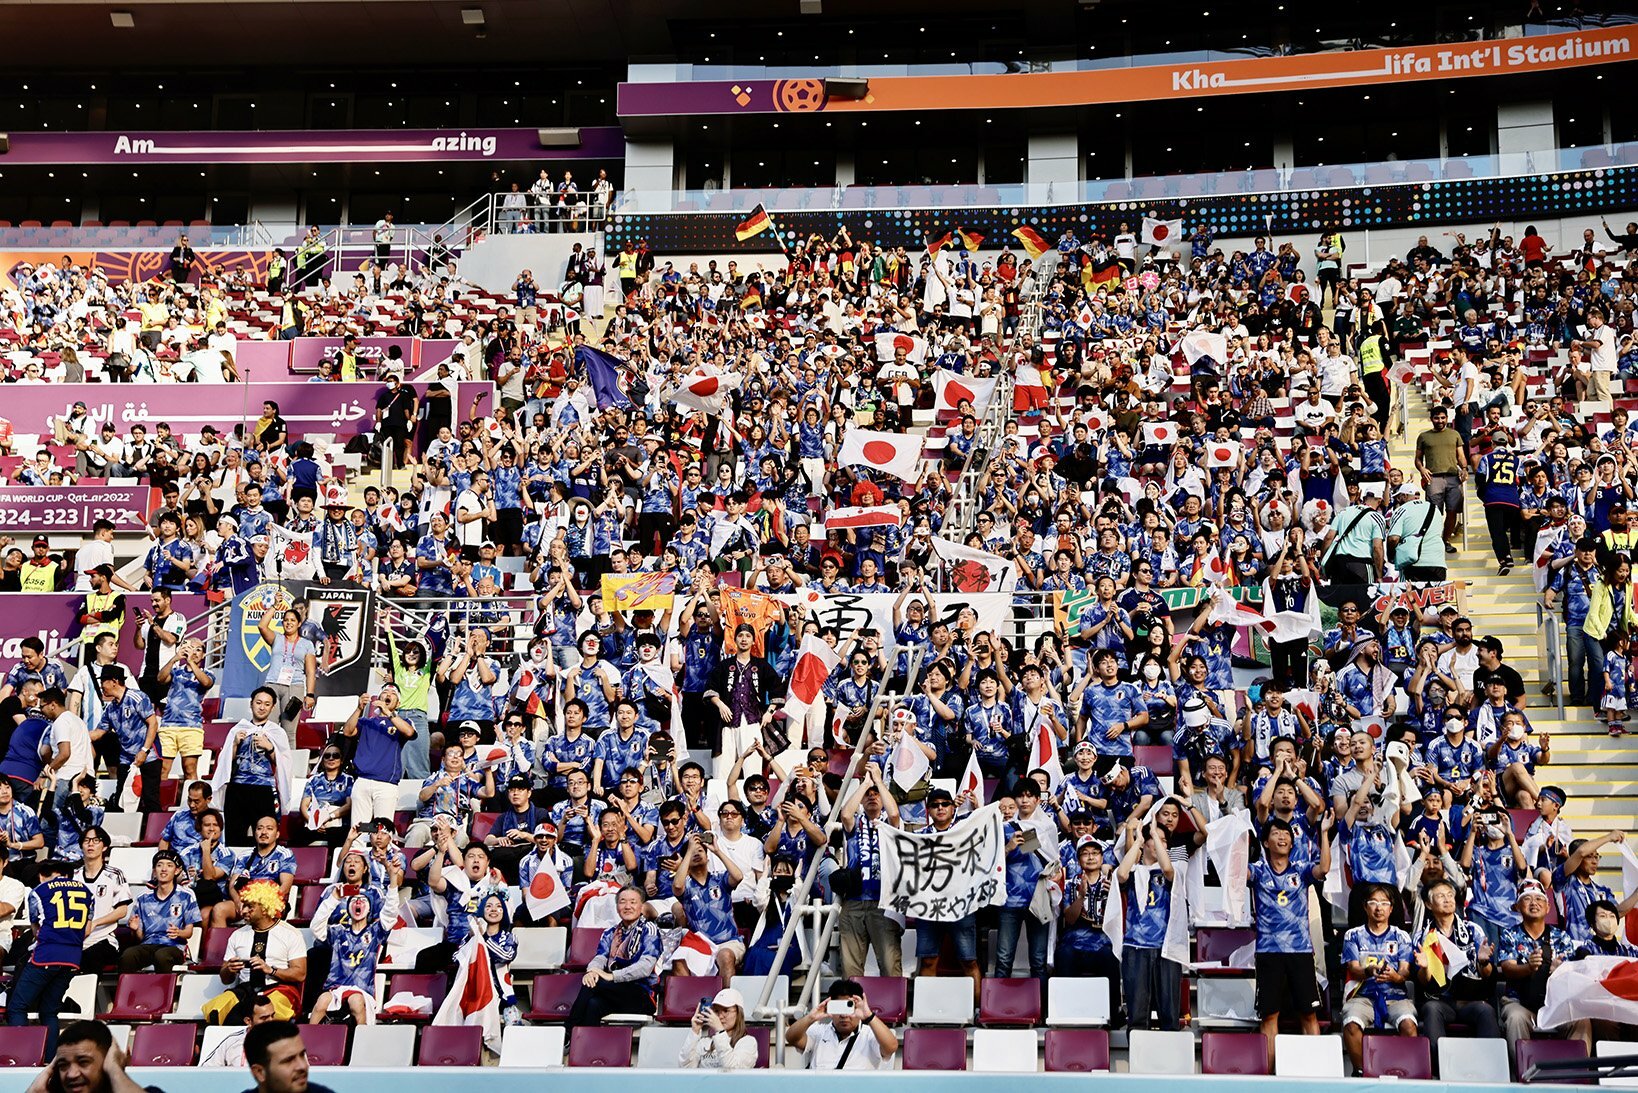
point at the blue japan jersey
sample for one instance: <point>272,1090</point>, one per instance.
<point>353,956</point>
<point>1280,900</point>
<point>709,907</point>
<point>61,910</point>
<point>179,909</point>
<point>1389,949</point>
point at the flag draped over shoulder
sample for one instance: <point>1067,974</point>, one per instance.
<point>477,992</point>
<point>1600,988</point>
<point>603,373</point>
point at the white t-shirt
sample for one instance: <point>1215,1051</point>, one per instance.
<point>749,855</point>
<point>825,1050</point>
<point>92,553</point>
<point>1459,666</point>
<point>70,729</point>
<point>284,944</point>
<point>1602,359</point>
<point>469,533</point>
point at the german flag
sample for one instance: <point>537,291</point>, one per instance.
<point>1031,241</point>
<point>936,245</point>
<point>751,297</point>
<point>758,222</point>
<point>970,240</point>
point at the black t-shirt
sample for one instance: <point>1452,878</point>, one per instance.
<point>1510,676</point>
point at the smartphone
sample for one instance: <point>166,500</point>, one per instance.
<point>705,1005</point>
<point>708,838</point>
<point>839,1007</point>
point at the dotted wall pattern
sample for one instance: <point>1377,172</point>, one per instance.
<point>1452,201</point>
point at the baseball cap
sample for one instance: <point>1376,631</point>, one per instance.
<point>469,727</point>
<point>729,997</point>
<point>546,829</point>
<point>41,540</point>
<point>518,781</point>
<point>1490,642</point>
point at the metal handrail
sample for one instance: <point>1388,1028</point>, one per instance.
<point>801,897</point>
<point>1552,645</point>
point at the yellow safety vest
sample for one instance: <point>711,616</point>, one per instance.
<point>628,265</point>
<point>1370,355</point>
<point>98,602</point>
<point>39,578</point>
<point>275,267</point>
<point>348,365</point>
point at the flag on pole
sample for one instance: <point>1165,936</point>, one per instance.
<point>936,245</point>
<point>1043,754</point>
<point>751,297</point>
<point>1443,958</point>
<point>814,663</point>
<point>950,389</point>
<point>897,454</point>
<point>758,222</point>
<point>1031,241</point>
<point>969,240</point>
<point>603,373</point>
<point>1161,233</point>
<point>972,570</point>
<point>706,390</point>
<point>910,764</point>
<point>545,895</point>
<point>477,992</point>
<point>972,782</point>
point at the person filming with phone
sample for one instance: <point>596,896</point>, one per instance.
<point>844,1033</point>
<point>717,1039</point>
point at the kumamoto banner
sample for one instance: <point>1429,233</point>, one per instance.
<point>346,615</point>
<point>944,876</point>
<point>247,657</point>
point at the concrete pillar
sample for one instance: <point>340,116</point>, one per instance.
<point>847,170</point>
<point>1053,172</point>
<point>651,172</point>
<point>1522,130</point>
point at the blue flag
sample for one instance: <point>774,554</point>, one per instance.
<point>602,372</point>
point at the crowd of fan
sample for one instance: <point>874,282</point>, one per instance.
<point>1391,745</point>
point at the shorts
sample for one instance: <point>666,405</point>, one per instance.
<point>1361,1011</point>
<point>182,741</point>
<point>1285,984</point>
<point>1445,492</point>
<point>963,936</point>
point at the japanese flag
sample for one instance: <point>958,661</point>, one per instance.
<point>908,761</point>
<point>1043,753</point>
<point>951,389</point>
<point>1161,233</point>
<point>706,390</point>
<point>890,342</point>
<point>492,427</point>
<point>1546,539</point>
<point>1215,570</point>
<point>972,782</point>
<point>1221,454</point>
<point>545,894</point>
<point>1597,987</point>
<point>972,570</point>
<point>388,516</point>
<point>1097,420</point>
<point>1203,343</point>
<point>1160,434</point>
<point>1402,372</point>
<point>335,493</point>
<point>897,454</point>
<point>814,663</point>
<point>492,755</point>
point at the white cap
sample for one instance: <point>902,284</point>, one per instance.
<point>729,997</point>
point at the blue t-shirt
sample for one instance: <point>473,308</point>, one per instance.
<point>61,910</point>
<point>1146,919</point>
<point>252,765</point>
<point>1370,854</point>
<point>269,866</point>
<point>1389,949</point>
<point>1280,900</point>
<point>380,754</point>
<point>1495,884</point>
<point>127,719</point>
<point>710,909</point>
<point>1105,706</point>
<point>179,909</point>
<point>184,701</point>
<point>353,955</point>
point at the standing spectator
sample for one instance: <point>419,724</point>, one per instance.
<point>183,260</point>
<point>382,236</point>
<point>378,757</point>
<point>182,725</point>
<point>127,713</point>
<point>863,924</point>
<point>252,775</point>
<point>291,672</point>
<point>59,909</point>
<point>1285,958</point>
<point>1441,459</point>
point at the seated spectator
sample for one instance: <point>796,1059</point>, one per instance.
<point>1529,951</point>
<point>717,1039</point>
<point>624,975</point>
<point>162,919</point>
<point>265,956</point>
<point>1377,957</point>
<point>85,1060</point>
<point>832,1037</point>
<point>356,929</point>
<point>463,879</point>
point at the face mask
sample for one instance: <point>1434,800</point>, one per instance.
<point>1151,672</point>
<point>1515,734</point>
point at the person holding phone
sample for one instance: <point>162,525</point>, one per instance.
<point>717,1039</point>
<point>844,1033</point>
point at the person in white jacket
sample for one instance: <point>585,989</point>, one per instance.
<point>717,1039</point>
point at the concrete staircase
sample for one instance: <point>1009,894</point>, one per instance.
<point>1599,774</point>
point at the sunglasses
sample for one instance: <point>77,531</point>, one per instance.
<point>332,755</point>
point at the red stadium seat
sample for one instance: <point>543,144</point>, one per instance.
<point>164,1045</point>
<point>1157,757</point>
<point>582,947</point>
<point>1216,945</point>
<point>212,949</point>
<point>326,1044</point>
<point>153,826</point>
<point>482,824</point>
<point>1076,1050</point>
<point>601,1046</point>
<point>22,1046</point>
<point>1233,1053</point>
<point>451,1045</point>
<point>1527,1053</point>
<point>935,1049</point>
<point>431,985</point>
<point>1398,1057</point>
<point>680,996</point>
<point>308,898</point>
<point>552,996</point>
<point>145,996</point>
<point>888,995</point>
<point>1009,1003</point>
<point>762,1033</point>
<point>312,863</point>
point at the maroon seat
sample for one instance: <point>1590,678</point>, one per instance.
<point>1009,1003</point>
<point>431,985</point>
<point>312,863</point>
<point>216,735</point>
<point>212,949</point>
<point>582,947</point>
<point>604,1046</point>
<point>451,1045</point>
<point>164,1044</point>
<point>145,996</point>
<point>888,995</point>
<point>326,1044</point>
<point>1527,1053</point>
<point>552,996</point>
<point>936,1048</point>
<point>1215,947</point>
<point>482,824</point>
<point>1233,1053</point>
<point>762,1035</point>
<point>1076,1050</point>
<point>1157,757</point>
<point>1398,1057</point>
<point>24,1046</point>
<point>308,898</point>
<point>153,826</point>
<point>680,996</point>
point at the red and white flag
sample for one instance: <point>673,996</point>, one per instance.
<point>594,905</point>
<point>706,390</point>
<point>697,952</point>
<point>814,663</point>
<point>1028,389</point>
<point>1162,233</point>
<point>1222,454</point>
<point>1043,754</point>
<point>1160,434</point>
<point>1402,372</point>
<point>388,516</point>
<point>972,782</point>
<point>972,570</point>
<point>1203,343</point>
<point>897,454</point>
<point>864,516</point>
<point>890,342</point>
<point>545,895</point>
<point>477,991</point>
<point>908,762</point>
<point>1097,419</point>
<point>1546,539</point>
<point>1600,988</point>
<point>951,389</point>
